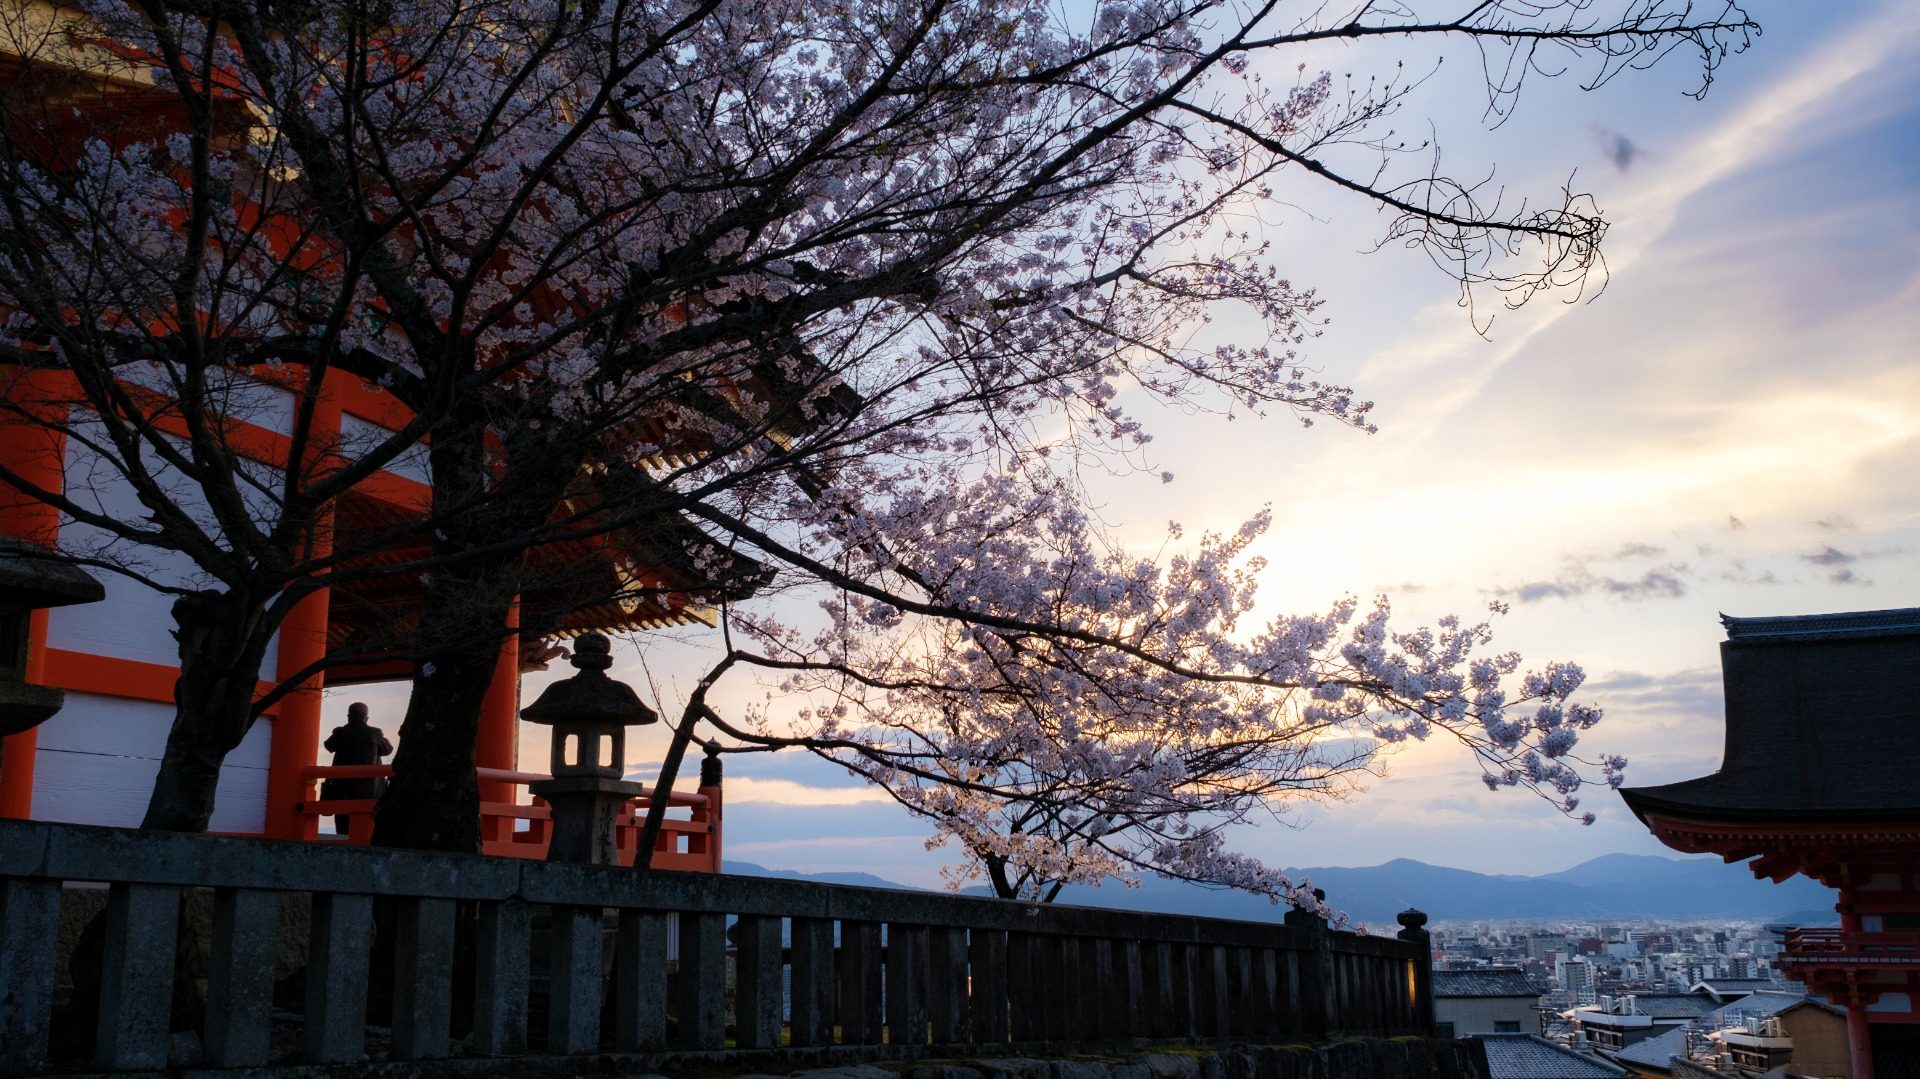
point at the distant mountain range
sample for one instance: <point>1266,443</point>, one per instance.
<point>1611,886</point>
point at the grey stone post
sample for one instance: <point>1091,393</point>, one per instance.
<point>1185,998</point>
<point>136,976</point>
<point>337,953</point>
<point>423,979</point>
<point>987,955</point>
<point>1413,929</point>
<point>813,980</point>
<point>947,985</point>
<point>1318,992</point>
<point>1218,1002</point>
<point>246,935</point>
<point>1026,1018</point>
<point>1158,1001</point>
<point>29,925</point>
<point>573,977</point>
<point>702,1008</point>
<point>1131,986</point>
<point>859,983</point>
<point>640,981</point>
<point>757,993</point>
<point>502,946</point>
<point>906,984</point>
<point>1059,976</point>
<point>1098,994</point>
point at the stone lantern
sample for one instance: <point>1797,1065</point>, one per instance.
<point>32,578</point>
<point>589,714</point>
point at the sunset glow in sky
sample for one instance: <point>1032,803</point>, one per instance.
<point>1733,425</point>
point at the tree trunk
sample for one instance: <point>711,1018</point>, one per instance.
<point>433,802</point>
<point>222,638</point>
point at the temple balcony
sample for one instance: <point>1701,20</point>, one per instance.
<point>1817,949</point>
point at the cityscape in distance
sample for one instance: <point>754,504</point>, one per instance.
<point>1626,888</point>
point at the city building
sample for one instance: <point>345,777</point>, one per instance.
<point>1768,1030</point>
<point>1616,1022</point>
<point>1818,778</point>
<point>1497,1000</point>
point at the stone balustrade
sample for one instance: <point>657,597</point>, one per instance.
<point>764,964</point>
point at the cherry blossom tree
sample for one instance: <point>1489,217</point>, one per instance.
<point>853,289</point>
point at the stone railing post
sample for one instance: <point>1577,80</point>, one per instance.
<point>812,981</point>
<point>29,925</point>
<point>757,994</point>
<point>987,953</point>
<point>1319,996</point>
<point>1413,930</point>
<point>137,976</point>
<point>702,1008</point>
<point>502,966</point>
<point>246,932</point>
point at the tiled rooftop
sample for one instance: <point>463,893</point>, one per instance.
<point>1495,982</point>
<point>1655,1052</point>
<point>1529,1056</point>
<point>1670,1005</point>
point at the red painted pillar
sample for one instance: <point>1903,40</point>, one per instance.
<point>296,724</point>
<point>1859,1033</point>
<point>498,742</point>
<point>1859,1042</point>
<point>37,454</point>
<point>295,744</point>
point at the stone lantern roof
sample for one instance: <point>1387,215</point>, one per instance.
<point>34,577</point>
<point>590,696</point>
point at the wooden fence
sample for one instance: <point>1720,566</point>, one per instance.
<point>903,973</point>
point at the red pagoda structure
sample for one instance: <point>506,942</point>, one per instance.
<point>94,761</point>
<point>1821,776</point>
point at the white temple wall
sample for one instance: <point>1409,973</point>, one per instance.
<point>96,760</point>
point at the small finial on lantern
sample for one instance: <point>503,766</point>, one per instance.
<point>592,652</point>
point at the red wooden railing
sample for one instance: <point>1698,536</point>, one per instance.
<point>518,829</point>
<point>1843,947</point>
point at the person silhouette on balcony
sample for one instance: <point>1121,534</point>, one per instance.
<point>354,743</point>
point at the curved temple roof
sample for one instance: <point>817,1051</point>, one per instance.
<point>1823,724</point>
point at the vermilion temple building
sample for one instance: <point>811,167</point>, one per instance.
<point>1822,777</point>
<point>95,760</point>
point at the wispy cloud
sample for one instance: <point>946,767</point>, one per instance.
<point>1662,583</point>
<point>787,792</point>
<point>1840,564</point>
<point>1580,577</point>
<point>1828,555</point>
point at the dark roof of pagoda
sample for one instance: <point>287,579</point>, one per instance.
<point>1823,724</point>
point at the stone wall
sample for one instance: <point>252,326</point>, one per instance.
<point>1346,1058</point>
<point>462,963</point>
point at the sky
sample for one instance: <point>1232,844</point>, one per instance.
<point>1729,426</point>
